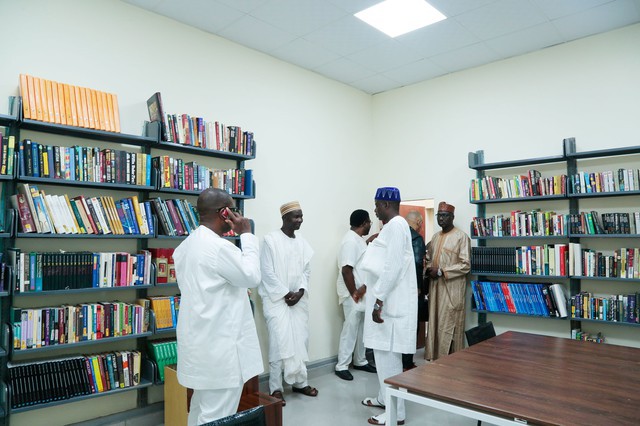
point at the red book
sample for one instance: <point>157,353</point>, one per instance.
<point>507,296</point>
<point>19,202</point>
<point>177,223</point>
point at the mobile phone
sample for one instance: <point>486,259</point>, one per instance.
<point>225,213</point>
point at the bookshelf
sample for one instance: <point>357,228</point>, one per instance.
<point>148,144</point>
<point>584,207</point>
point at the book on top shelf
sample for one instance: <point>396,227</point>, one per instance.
<point>156,113</point>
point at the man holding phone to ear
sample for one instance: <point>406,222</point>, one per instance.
<point>218,348</point>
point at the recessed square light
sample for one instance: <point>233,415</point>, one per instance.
<point>397,17</point>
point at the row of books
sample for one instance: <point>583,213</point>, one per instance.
<point>614,307</point>
<point>622,263</point>
<point>175,217</point>
<point>520,224</point>
<point>7,153</point>
<point>196,131</point>
<point>47,271</point>
<point>176,174</point>
<point>83,164</point>
<point>61,103</point>
<point>578,334</point>
<point>491,188</point>
<point>60,214</point>
<point>36,383</point>
<point>538,223</point>
<point>607,181</point>
<point>163,352</point>
<point>50,326</point>
<point>556,260</point>
<point>166,310</point>
<point>593,223</point>
<point>520,298</point>
<point>544,260</point>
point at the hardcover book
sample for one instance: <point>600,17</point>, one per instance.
<point>156,113</point>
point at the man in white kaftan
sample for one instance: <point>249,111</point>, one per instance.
<point>286,267</point>
<point>218,347</point>
<point>390,316</point>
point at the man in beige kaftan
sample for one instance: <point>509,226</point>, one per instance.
<point>448,263</point>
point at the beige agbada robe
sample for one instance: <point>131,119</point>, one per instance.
<point>450,252</point>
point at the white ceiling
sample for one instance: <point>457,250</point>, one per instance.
<point>323,35</point>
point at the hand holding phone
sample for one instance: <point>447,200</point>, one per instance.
<point>233,217</point>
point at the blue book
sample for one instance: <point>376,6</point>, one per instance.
<point>182,214</point>
<point>109,361</point>
<point>38,271</point>
<point>517,298</point>
<point>147,209</point>
<point>35,161</point>
<point>128,229</point>
<point>140,270</point>
<point>248,183</point>
<point>127,203</point>
<point>50,162</point>
<point>95,277</point>
<point>174,318</point>
<point>147,171</point>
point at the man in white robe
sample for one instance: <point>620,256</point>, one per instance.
<point>351,293</point>
<point>390,316</point>
<point>218,347</point>
<point>286,267</point>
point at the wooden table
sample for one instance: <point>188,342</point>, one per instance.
<point>520,378</point>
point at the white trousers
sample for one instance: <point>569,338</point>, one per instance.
<point>208,405</point>
<point>388,364</point>
<point>275,377</point>
<point>351,342</point>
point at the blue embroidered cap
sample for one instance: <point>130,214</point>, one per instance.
<point>388,193</point>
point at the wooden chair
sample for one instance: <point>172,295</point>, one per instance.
<point>478,334</point>
<point>251,417</point>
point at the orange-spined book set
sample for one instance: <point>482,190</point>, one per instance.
<point>61,103</point>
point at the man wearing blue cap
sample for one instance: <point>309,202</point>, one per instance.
<point>390,316</point>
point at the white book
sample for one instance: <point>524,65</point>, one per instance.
<point>52,208</point>
<point>37,327</point>
<point>144,228</point>
<point>67,214</point>
<point>578,259</point>
<point>561,300</point>
<point>60,212</point>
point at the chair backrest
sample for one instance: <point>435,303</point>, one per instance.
<point>251,417</point>
<point>480,333</point>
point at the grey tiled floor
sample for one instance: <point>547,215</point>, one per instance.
<point>339,403</point>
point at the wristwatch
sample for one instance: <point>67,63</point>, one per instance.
<point>377,307</point>
<point>439,272</point>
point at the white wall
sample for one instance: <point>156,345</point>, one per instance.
<point>319,141</point>
<point>514,109</point>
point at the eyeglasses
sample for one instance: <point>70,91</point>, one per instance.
<point>444,214</point>
<point>233,209</point>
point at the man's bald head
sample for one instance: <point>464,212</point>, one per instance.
<point>210,200</point>
<point>414,219</point>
